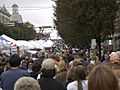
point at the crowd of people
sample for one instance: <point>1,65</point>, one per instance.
<point>56,69</point>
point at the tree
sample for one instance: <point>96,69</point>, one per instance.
<point>19,32</point>
<point>78,21</point>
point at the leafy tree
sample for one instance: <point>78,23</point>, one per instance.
<point>19,32</point>
<point>78,21</point>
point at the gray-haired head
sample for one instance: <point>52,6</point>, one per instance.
<point>48,64</point>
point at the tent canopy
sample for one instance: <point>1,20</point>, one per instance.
<point>7,38</point>
<point>3,39</point>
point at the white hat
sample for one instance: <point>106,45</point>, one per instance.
<point>48,64</point>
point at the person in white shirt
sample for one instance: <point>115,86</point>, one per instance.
<point>80,83</point>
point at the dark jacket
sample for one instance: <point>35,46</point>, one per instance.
<point>51,84</point>
<point>61,76</point>
<point>8,78</point>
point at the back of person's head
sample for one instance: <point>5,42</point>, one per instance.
<point>80,74</point>
<point>81,53</point>
<point>14,60</point>
<point>48,68</point>
<point>70,75</point>
<point>22,56</point>
<point>55,57</point>
<point>75,62</point>
<point>36,66</point>
<point>48,64</point>
<point>26,83</point>
<point>41,54</point>
<point>102,78</point>
<point>89,68</point>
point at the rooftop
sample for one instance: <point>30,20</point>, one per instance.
<point>4,11</point>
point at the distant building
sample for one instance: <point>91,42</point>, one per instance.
<point>4,15</point>
<point>16,17</point>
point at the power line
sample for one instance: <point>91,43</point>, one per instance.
<point>31,8</point>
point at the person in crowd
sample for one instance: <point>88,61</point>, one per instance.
<point>35,69</point>
<point>114,57</point>
<point>36,66</point>
<point>82,58</point>
<point>94,58</point>
<point>56,59</point>
<point>27,83</point>
<point>70,56</point>
<point>116,69</point>
<point>9,77</point>
<point>40,55</point>
<point>106,59</point>
<point>61,71</point>
<point>48,71</point>
<point>70,75</point>
<point>89,69</point>
<point>87,55</point>
<point>34,57</point>
<point>102,78</point>
<point>65,59</point>
<point>80,82</point>
<point>75,62</point>
<point>24,64</point>
<point>29,69</point>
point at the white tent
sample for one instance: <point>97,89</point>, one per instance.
<point>14,42</point>
<point>34,44</point>
<point>54,35</point>
<point>8,38</point>
<point>48,44</point>
<point>11,41</point>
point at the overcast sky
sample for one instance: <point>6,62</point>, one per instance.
<point>38,12</point>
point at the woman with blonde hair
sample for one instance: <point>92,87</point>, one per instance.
<point>89,69</point>
<point>62,66</point>
<point>61,71</point>
<point>75,62</point>
<point>27,83</point>
<point>94,59</point>
<point>102,78</point>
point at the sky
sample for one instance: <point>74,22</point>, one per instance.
<point>38,12</point>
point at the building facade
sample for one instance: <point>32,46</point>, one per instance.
<point>4,15</point>
<point>15,17</point>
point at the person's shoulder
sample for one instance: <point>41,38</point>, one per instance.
<point>6,73</point>
<point>60,84</point>
<point>72,83</point>
<point>72,86</point>
<point>24,72</point>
